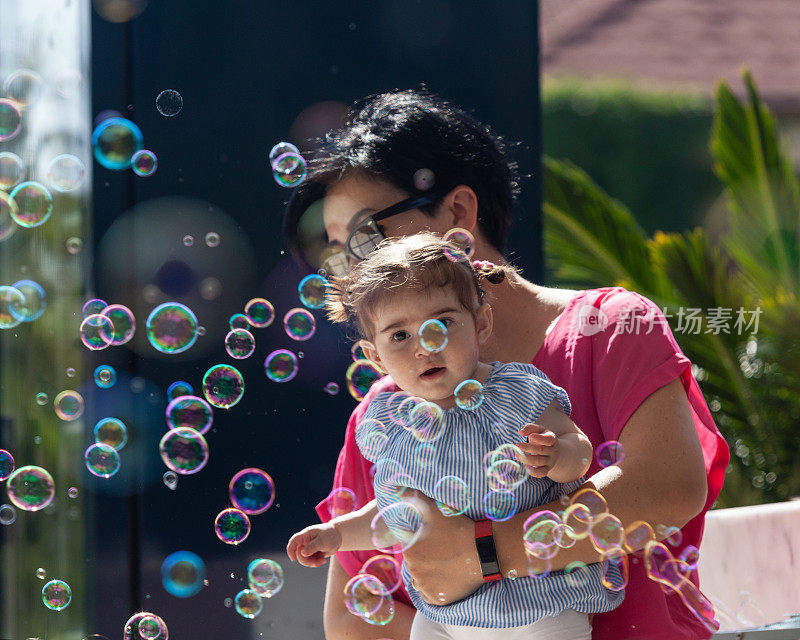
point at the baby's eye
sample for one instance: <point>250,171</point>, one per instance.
<point>399,336</point>
<point>446,321</point>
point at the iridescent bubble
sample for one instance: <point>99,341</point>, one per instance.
<point>386,569</point>
<point>240,344</point>
<point>423,179</point>
<point>280,149</point>
<point>289,169</point>
<point>564,536</point>
<point>212,239</point>
<point>260,313</point>
<point>111,432</point>
<point>97,332</point>
<point>41,399</point>
<point>404,523</point>
<point>31,204</point>
<point>93,307</point>
<point>73,245</point>
<point>433,335</point>
<point>223,386</point>
<point>579,519</point>
<point>182,574</point>
<point>609,453</point>
<point>7,514</point>
<point>189,411</point>
<point>367,597</point>
<point>56,595</point>
<point>69,83</point>
<point>463,239</point>
<point>504,468</point>
<point>24,87</point>
<point>151,628</point>
<point>299,324</point>
<point>68,405</point>
<point>71,372</point>
<point>102,460</point>
<point>6,464</point>
<point>169,103</point>
<point>72,492</point>
<point>424,454</point>
<point>41,573</point>
<point>172,328</point>
<point>357,351</point>
<point>341,501</point>
<point>11,303</point>
<point>469,395</point>
<point>360,376</point>
<point>144,163</point>
<point>499,504</point>
<point>331,388</point>
<point>140,625</point>
<point>281,365</point>
<point>184,450</point>
<point>248,603</point>
<point>607,534</point>
<point>11,170</point>
<point>372,438</point>
<point>252,491</point>
<point>124,323</point>
<point>114,141</point>
<point>30,488</point>
<point>105,376</point>
<point>188,241</point>
<point>34,304</point>
<point>232,526</point>
<point>65,172</point>
<point>637,535</point>
<point>313,290</point>
<point>170,479</point>
<point>10,119</point>
<point>7,224</point>
<point>179,388</point>
<point>452,495</point>
<point>265,577</point>
<point>427,424</point>
<point>238,321</point>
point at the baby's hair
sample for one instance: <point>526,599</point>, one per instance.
<point>419,262</point>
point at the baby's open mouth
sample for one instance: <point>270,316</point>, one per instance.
<point>430,373</point>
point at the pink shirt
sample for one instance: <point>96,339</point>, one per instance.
<point>608,362</point>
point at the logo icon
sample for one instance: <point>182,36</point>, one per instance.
<point>591,320</point>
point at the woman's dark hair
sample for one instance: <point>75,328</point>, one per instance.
<point>393,135</point>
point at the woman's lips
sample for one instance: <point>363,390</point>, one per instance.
<point>432,373</point>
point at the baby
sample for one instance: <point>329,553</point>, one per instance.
<point>419,307</point>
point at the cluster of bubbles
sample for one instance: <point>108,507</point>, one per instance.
<point>145,626</point>
<point>251,491</point>
<point>118,144</point>
<point>23,301</point>
<point>366,596</point>
<point>265,579</point>
<point>288,166</point>
<point>105,325</point>
<point>183,574</point>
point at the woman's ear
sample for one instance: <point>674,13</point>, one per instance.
<point>484,321</point>
<point>460,208</point>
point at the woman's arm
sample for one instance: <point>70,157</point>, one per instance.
<point>340,624</point>
<point>661,480</point>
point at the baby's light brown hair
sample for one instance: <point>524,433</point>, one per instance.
<point>419,262</point>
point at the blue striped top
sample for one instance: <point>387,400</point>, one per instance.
<point>515,394</point>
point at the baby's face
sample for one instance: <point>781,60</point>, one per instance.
<point>417,371</point>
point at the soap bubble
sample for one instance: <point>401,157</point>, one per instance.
<point>433,335</point>
<point>331,388</point>
<point>92,307</point>
<point>7,224</point>
<point>11,170</point>
<point>65,172</point>
<point>97,331</point>
<point>179,388</point>
<point>123,321</point>
<point>68,405</point>
<point>312,290</point>
<point>360,376</point>
<point>212,239</point>
<point>169,103</point>
<point>30,488</point>
<point>41,399</point>
<point>609,453</point>
<point>114,141</point>
<point>367,597</point>
<point>469,395</point>
<point>72,492</point>
<point>238,321</point>
<point>357,351</point>
<point>151,627</point>
<point>299,324</point>
<point>260,313</point>
<point>24,87</point>
<point>504,468</point>
<point>102,460</point>
<point>289,169</point>
<point>278,150</point>
<point>172,328</point>
<point>423,179</point>
<point>232,526</point>
<point>240,343</point>
<point>452,495</point>
<point>223,386</point>
<point>41,573</point>
<point>386,569</point>
<point>341,501</point>
<point>7,514</point>
<point>73,245</point>
<point>499,504</point>
<point>184,450</point>
<point>11,303</point>
<point>248,603</point>
<point>404,522</point>
<point>31,204</point>
<point>144,163</point>
<point>188,241</point>
<point>189,411</point>
<point>170,479</point>
<point>10,119</point>
<point>105,376</point>
<point>252,491</point>
<point>56,595</point>
<point>6,464</point>
<point>34,304</point>
<point>111,432</point>
<point>265,577</point>
<point>463,239</point>
<point>140,625</point>
<point>372,438</point>
<point>71,372</point>
<point>281,365</point>
<point>426,421</point>
<point>182,574</point>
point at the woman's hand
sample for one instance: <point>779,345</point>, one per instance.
<point>444,562</point>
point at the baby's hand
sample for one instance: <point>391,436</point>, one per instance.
<point>541,451</point>
<point>314,544</point>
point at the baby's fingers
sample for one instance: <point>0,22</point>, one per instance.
<point>546,438</point>
<point>296,544</point>
<point>315,560</point>
<point>530,429</point>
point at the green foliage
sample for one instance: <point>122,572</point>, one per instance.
<point>751,380</point>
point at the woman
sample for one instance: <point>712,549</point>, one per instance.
<point>407,161</point>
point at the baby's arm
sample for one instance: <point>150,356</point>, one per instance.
<point>556,447</point>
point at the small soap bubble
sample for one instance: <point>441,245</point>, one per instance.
<point>11,170</point>
<point>260,313</point>
<point>188,241</point>
<point>41,398</point>
<point>145,626</point>
<point>357,351</point>
<point>512,574</point>
<point>313,290</point>
<point>169,103</point>
<point>30,488</point>
<point>73,245</point>
<point>426,421</point>
<point>34,304</point>
<point>424,179</point>
<point>212,239</point>
<point>10,119</point>
<point>499,504</point>
<point>24,87</point>
<point>93,307</point>
<point>360,375</point>
<point>299,324</point>
<point>228,602</point>
<point>278,150</point>
<point>609,453</point>
<point>123,322</point>
<point>463,239</point>
<point>170,479</point>
<point>184,450</point>
<point>102,460</point>
<point>97,332</point>
<point>452,495</point>
<point>331,388</point>
<point>71,372</point>
<point>281,365</point>
<point>68,405</point>
<point>238,321</point>
<point>30,204</point>
<point>112,432</point>
<point>172,328</point>
<point>367,597</point>
<point>433,335</point>
<point>41,573</point>
<point>150,628</point>
<point>12,302</point>
<point>6,464</point>
<point>341,501</point>
<point>183,574</point>
<point>201,331</point>
<point>223,386</point>
<point>232,526</point>
<point>240,344</point>
<point>144,163</point>
<point>248,603</point>
<point>386,569</point>
<point>7,514</point>
<point>189,411</point>
<point>65,172</point>
<point>469,395</point>
<point>114,142</point>
<point>289,169</point>
<point>252,491</point>
<point>72,492</point>
<point>179,388</point>
<point>56,595</point>
<point>265,577</point>
<point>424,454</point>
<point>105,376</point>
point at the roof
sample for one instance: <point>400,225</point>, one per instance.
<point>689,43</point>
